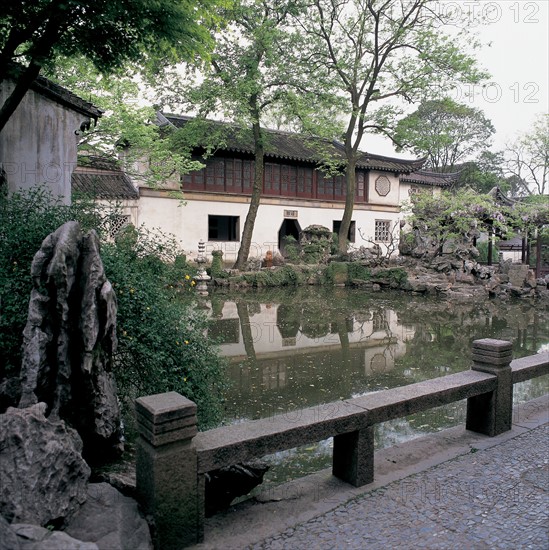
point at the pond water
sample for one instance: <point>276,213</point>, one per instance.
<point>295,348</point>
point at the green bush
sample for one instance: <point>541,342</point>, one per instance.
<point>482,248</point>
<point>292,251</point>
<point>161,341</point>
<point>285,276</point>
<point>216,270</point>
<point>357,271</point>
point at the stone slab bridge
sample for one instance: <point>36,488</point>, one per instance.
<point>173,458</point>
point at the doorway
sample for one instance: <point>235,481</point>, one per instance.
<point>291,228</point>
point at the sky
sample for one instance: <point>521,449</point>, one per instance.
<point>515,52</point>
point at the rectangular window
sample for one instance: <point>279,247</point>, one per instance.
<point>223,228</point>
<point>305,182</point>
<point>247,174</point>
<point>360,195</point>
<point>194,179</point>
<point>382,231</point>
<point>336,224</point>
<point>340,187</point>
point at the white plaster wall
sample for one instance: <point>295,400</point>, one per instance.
<point>392,198</point>
<point>189,222</point>
<point>38,144</point>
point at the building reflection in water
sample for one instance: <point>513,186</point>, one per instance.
<point>285,356</point>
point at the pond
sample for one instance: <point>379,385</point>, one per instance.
<point>295,348</point>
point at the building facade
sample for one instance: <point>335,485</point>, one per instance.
<point>296,194</point>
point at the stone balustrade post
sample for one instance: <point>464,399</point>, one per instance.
<point>167,477</point>
<point>353,457</point>
<point>492,413</point>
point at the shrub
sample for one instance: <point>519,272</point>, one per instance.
<point>482,248</point>
<point>161,341</point>
<point>26,219</point>
<point>292,250</point>
<point>357,271</point>
<point>161,345</point>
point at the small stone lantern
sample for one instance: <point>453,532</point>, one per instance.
<point>201,277</point>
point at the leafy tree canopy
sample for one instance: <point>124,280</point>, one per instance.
<point>445,132</point>
<point>371,52</point>
<point>455,215</point>
<point>127,127</point>
<point>107,32</point>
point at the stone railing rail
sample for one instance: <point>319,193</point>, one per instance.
<point>172,458</point>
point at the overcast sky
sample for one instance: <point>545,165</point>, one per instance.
<point>517,57</point>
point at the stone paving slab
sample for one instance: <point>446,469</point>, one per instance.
<point>494,498</point>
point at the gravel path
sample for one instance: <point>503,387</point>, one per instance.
<point>496,498</point>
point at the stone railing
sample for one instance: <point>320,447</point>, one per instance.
<point>172,458</point>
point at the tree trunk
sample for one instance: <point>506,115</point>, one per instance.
<point>248,230</point>
<point>350,186</point>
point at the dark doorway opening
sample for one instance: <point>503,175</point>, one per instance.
<point>288,228</point>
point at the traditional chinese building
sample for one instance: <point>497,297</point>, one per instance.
<point>296,193</point>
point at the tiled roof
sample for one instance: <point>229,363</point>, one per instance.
<point>427,177</point>
<point>290,146</point>
<point>90,179</point>
<point>57,93</point>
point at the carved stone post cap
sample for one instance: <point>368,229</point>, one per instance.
<point>162,407</point>
<point>165,418</point>
<point>493,345</point>
<point>492,352</point>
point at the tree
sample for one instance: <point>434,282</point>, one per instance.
<point>246,79</point>
<point>484,173</point>
<point>374,51</point>
<point>455,216</point>
<point>445,132</point>
<point>527,158</point>
<point>108,32</point>
<point>127,126</point>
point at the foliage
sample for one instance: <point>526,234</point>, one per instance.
<point>127,127</point>
<point>162,346</point>
<point>456,216</point>
<point>26,218</point>
<point>245,79</point>
<point>369,52</point>
<point>336,273</point>
<point>357,271</point>
<point>532,214</point>
<point>444,131</point>
<point>484,173</point>
<point>109,33</point>
<point>216,269</point>
<point>161,342</point>
<point>284,276</point>
<point>292,251</point>
<point>482,248</point>
<point>527,158</point>
<point>393,276</point>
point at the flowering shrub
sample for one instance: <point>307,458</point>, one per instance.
<point>457,216</point>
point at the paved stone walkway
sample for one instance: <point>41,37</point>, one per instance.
<point>495,498</point>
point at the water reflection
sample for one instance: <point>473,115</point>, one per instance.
<point>300,348</point>
<point>292,350</point>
